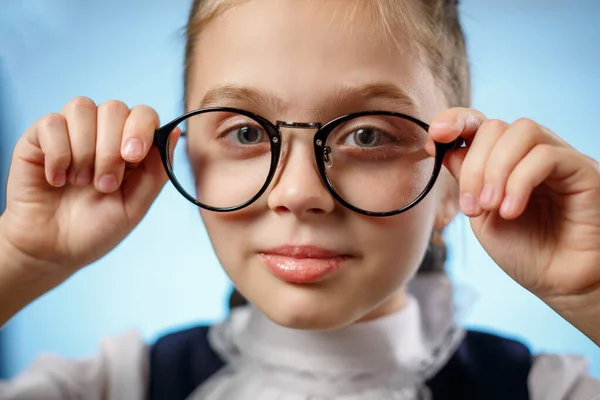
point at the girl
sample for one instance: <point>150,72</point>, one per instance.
<point>324,195</point>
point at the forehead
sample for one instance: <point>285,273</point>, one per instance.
<point>302,51</point>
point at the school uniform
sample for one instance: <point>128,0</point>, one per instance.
<point>418,352</point>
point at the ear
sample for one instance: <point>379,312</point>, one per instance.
<point>448,206</point>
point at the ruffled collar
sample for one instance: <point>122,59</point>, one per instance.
<point>396,352</point>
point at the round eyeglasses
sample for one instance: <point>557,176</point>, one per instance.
<point>372,162</point>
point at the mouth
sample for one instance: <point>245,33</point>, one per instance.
<point>302,264</point>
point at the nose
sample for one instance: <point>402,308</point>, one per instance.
<point>298,188</point>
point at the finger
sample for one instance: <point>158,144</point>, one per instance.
<point>453,161</point>
<point>138,134</point>
<point>109,165</point>
<point>472,171</point>
<point>562,169</point>
<point>456,122</point>
<point>80,114</point>
<point>516,142</point>
<point>50,133</point>
<point>144,183</point>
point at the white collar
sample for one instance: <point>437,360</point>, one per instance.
<point>398,351</point>
<point>387,343</point>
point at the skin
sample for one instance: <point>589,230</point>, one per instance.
<point>540,221</point>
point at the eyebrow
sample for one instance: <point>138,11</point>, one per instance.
<point>348,95</point>
<point>342,97</point>
<point>225,95</point>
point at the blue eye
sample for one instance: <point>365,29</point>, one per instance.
<point>248,134</point>
<point>366,137</point>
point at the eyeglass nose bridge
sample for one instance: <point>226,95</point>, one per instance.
<point>298,125</point>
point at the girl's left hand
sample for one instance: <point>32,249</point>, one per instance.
<point>534,205</point>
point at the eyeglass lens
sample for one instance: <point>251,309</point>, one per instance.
<point>378,163</point>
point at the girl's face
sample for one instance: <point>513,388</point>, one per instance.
<point>305,61</point>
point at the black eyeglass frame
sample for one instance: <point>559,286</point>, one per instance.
<point>161,141</point>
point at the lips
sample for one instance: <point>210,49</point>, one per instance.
<point>302,264</point>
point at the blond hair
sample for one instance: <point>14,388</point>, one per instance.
<point>434,25</point>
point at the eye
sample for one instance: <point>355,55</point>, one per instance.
<point>365,137</point>
<point>247,134</point>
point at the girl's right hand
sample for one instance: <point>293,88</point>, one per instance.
<point>79,182</point>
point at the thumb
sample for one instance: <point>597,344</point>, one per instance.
<point>450,125</point>
<point>454,123</point>
<point>145,182</point>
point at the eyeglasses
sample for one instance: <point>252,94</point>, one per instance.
<point>372,162</point>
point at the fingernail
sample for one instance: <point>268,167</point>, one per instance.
<point>455,124</point>
<point>507,205</point>
<point>60,178</point>
<point>107,183</point>
<point>468,205</point>
<point>487,195</point>
<point>84,177</point>
<point>133,149</point>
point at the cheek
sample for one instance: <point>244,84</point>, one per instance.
<point>395,246</point>
<point>221,232</point>
<point>230,234</point>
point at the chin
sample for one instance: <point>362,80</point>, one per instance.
<point>307,307</point>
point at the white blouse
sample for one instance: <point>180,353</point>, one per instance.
<point>386,358</point>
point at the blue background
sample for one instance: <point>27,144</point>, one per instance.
<point>538,59</point>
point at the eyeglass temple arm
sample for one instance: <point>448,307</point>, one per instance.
<point>453,145</point>
<point>458,143</point>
